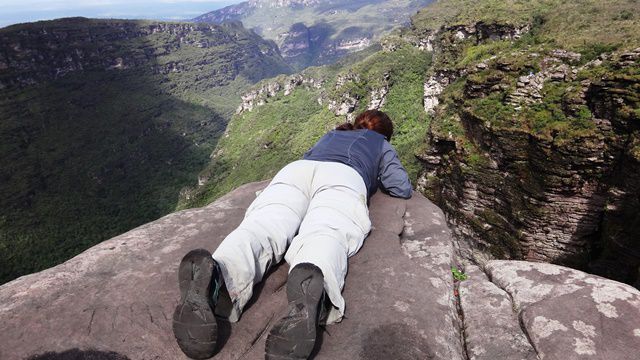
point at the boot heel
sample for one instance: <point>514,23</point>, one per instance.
<point>294,336</point>
<point>194,323</point>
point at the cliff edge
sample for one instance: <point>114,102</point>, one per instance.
<point>116,299</point>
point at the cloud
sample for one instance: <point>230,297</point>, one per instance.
<point>17,11</point>
<point>51,5</point>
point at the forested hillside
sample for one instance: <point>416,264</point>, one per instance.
<point>103,122</point>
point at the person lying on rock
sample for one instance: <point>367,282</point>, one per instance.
<point>314,213</point>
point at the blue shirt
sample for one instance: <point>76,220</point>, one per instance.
<point>368,153</point>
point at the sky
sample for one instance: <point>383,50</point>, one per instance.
<point>19,11</point>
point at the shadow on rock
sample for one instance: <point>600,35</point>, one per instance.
<point>77,354</point>
<point>395,341</point>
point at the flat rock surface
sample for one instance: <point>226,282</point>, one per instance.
<point>115,300</point>
<point>568,314</point>
<point>118,297</point>
<point>492,328</point>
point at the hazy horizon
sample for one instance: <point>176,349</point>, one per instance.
<point>22,11</point>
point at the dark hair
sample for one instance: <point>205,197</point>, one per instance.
<point>374,120</point>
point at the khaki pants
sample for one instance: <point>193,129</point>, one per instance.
<point>311,212</point>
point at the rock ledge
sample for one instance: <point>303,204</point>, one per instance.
<point>402,301</point>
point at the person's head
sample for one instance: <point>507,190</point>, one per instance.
<point>374,120</point>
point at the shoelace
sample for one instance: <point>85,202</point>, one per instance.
<point>217,284</point>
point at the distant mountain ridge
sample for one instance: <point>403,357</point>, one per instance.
<point>236,11</point>
<point>103,122</point>
<point>32,53</point>
<point>288,3</point>
<point>317,32</point>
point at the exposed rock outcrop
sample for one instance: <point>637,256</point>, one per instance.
<point>521,192</point>
<point>487,309</point>
<point>434,40</point>
<point>445,39</point>
<point>556,67</point>
<point>344,102</point>
<point>564,313</point>
<point>402,301</point>
<point>434,86</point>
<point>305,45</point>
<point>278,87</point>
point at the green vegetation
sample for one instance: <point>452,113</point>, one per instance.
<point>557,114</point>
<point>458,274</point>
<point>549,116</point>
<point>571,25</point>
<point>98,152</point>
<point>260,142</point>
<point>92,158</point>
<point>474,54</point>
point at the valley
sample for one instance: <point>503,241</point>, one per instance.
<point>104,122</point>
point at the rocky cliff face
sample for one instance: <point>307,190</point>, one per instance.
<point>316,32</point>
<point>314,45</point>
<point>279,87</point>
<point>403,302</point>
<point>337,100</point>
<point>30,54</point>
<point>533,153</point>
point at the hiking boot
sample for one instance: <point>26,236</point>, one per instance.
<point>194,323</point>
<point>294,336</point>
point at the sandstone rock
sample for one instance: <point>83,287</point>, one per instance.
<point>492,329</point>
<point>119,296</point>
<point>258,96</point>
<point>115,300</point>
<point>351,45</point>
<point>544,197</point>
<point>571,56</point>
<point>344,104</point>
<point>496,31</point>
<point>427,43</point>
<point>630,58</point>
<point>569,314</point>
<point>433,87</point>
<point>378,97</point>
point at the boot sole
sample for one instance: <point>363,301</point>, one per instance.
<point>194,322</point>
<point>294,336</point>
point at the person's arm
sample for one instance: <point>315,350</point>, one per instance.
<point>393,177</point>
